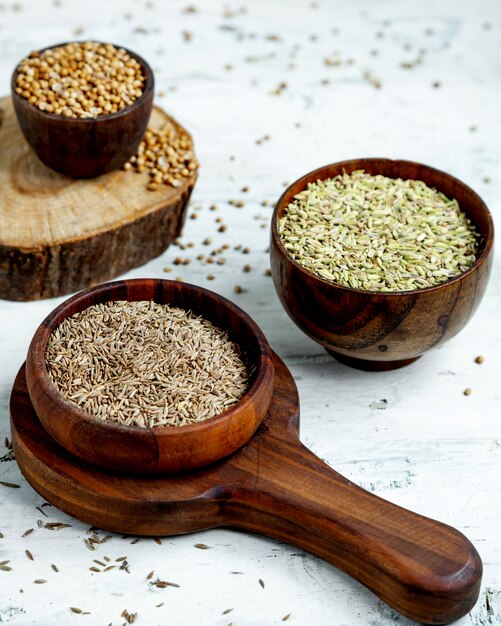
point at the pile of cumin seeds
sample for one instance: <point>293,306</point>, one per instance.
<point>378,233</point>
<point>145,364</point>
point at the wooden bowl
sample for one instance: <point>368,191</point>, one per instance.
<point>85,147</point>
<point>382,330</point>
<point>160,449</point>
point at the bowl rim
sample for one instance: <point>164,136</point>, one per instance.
<point>279,206</point>
<point>43,332</point>
<point>148,88</point>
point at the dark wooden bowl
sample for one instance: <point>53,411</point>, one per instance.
<point>382,330</point>
<point>160,449</point>
<point>84,147</point>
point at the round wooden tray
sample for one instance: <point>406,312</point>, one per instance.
<point>59,235</point>
<point>273,485</point>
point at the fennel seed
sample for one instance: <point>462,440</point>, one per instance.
<point>378,233</point>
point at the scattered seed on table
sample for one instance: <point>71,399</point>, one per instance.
<point>480,359</point>
<point>134,541</point>
<point>150,575</point>
<point>222,228</point>
<point>5,568</point>
<point>1,535</point>
<point>467,391</point>
<point>237,289</point>
<point>39,581</point>
<point>157,606</point>
<point>247,268</point>
<point>120,559</point>
<point>286,617</point>
<point>227,611</point>
<point>75,609</point>
<point>202,546</point>
<point>94,569</point>
<point>54,567</point>
<point>27,532</point>
<point>41,511</point>
<point>245,251</point>
<point>237,572</point>
<point>261,582</point>
<point>162,584</point>
<point>107,559</point>
<point>39,523</point>
<point>99,562</point>
<point>11,485</point>
<point>267,272</point>
<point>210,277</point>
<point>29,555</point>
<point>157,540</point>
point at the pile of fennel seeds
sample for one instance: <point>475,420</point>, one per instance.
<point>378,233</point>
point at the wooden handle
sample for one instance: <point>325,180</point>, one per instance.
<point>424,569</point>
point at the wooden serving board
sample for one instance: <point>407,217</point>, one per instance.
<point>274,485</point>
<point>59,234</point>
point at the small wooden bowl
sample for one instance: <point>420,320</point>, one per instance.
<point>84,147</point>
<point>382,330</point>
<point>160,449</point>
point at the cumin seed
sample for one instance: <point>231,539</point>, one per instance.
<point>145,364</point>
<point>11,485</point>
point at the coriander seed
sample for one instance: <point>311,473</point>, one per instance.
<point>81,79</point>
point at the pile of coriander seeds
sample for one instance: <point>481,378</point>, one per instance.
<point>145,364</point>
<point>80,79</point>
<point>166,155</point>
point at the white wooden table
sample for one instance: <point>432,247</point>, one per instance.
<point>428,447</point>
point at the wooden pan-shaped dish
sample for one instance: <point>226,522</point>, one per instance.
<point>374,330</point>
<point>161,449</point>
<point>273,485</point>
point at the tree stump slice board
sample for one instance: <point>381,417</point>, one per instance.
<point>59,235</point>
<point>274,485</point>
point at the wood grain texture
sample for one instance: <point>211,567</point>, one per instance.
<point>80,147</point>
<point>274,485</point>
<point>154,450</point>
<point>374,330</point>
<point>54,228</point>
